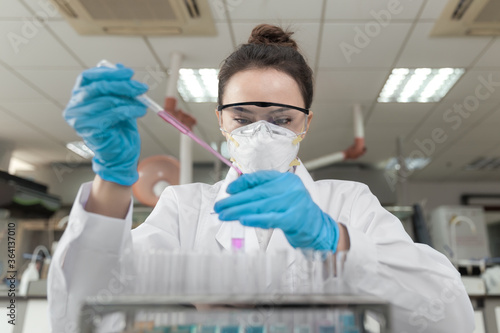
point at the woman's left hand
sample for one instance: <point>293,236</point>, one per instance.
<point>271,199</point>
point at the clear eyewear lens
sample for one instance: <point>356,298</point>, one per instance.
<point>235,117</point>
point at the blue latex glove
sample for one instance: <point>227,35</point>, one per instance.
<point>271,199</point>
<point>103,112</point>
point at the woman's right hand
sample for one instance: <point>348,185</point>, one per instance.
<point>103,111</point>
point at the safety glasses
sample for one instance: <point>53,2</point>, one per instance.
<point>236,115</point>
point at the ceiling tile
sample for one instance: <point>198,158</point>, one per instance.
<point>57,83</point>
<point>26,138</point>
<point>447,126</point>
<point>327,115</point>
<point>494,117</point>
<point>477,139</point>
<point>305,34</point>
<point>45,116</point>
<point>47,153</point>
<point>491,56</point>
<point>476,85</point>
<point>28,45</point>
<point>218,10</point>
<point>199,52</point>
<point>275,11</point>
<point>371,9</point>
<point>436,171</point>
<point>348,86</point>
<point>342,45</point>
<point>320,143</point>
<point>13,9</point>
<point>130,51</point>
<point>424,51</point>
<point>15,88</point>
<point>399,113</point>
<point>467,150</point>
<point>450,164</point>
<point>44,9</point>
<point>379,132</point>
<point>433,9</point>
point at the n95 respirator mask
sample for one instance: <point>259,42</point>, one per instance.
<point>263,146</point>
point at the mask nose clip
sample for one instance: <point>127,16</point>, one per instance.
<point>260,126</point>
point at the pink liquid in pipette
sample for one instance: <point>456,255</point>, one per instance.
<point>185,130</point>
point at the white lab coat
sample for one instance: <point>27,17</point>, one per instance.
<point>94,256</point>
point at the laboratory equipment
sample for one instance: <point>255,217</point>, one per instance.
<point>155,174</point>
<point>152,105</point>
<point>241,314</point>
<point>181,272</point>
<point>31,274</point>
<point>459,232</point>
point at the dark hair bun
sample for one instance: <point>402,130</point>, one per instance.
<point>270,34</point>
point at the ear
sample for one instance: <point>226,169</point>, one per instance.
<point>309,118</point>
<point>217,113</point>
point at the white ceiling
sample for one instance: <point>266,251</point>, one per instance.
<point>37,76</point>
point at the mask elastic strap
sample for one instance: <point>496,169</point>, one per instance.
<point>233,140</point>
<point>295,162</point>
<point>297,139</point>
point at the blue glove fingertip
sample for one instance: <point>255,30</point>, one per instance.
<point>236,186</point>
<point>141,87</point>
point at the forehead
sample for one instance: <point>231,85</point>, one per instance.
<point>267,85</point>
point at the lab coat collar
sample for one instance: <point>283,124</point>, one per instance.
<point>278,241</point>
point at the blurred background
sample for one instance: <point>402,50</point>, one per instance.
<point>424,73</point>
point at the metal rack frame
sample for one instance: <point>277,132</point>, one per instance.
<point>131,305</point>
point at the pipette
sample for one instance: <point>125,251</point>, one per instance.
<point>152,105</point>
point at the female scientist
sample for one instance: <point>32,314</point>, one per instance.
<point>265,92</point>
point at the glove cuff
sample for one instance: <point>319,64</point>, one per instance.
<point>121,176</point>
<point>329,235</point>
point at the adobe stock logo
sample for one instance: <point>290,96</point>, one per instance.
<point>372,29</point>
<point>31,26</point>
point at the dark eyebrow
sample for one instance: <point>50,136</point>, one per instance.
<point>241,109</point>
<point>245,110</point>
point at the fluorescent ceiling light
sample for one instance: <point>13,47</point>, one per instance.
<point>412,164</point>
<point>198,85</point>
<point>79,148</point>
<point>16,165</point>
<point>420,85</point>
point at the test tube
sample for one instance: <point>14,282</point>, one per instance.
<point>237,236</point>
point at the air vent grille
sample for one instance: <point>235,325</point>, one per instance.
<point>139,17</point>
<point>469,18</point>
<point>490,13</point>
<point>461,8</point>
<point>129,9</point>
<point>484,164</point>
<point>192,8</point>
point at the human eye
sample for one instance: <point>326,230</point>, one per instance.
<point>242,121</point>
<point>282,121</point>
